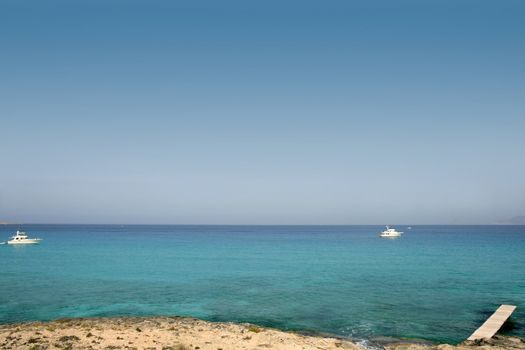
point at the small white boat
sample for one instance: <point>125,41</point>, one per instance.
<point>390,232</point>
<point>22,238</point>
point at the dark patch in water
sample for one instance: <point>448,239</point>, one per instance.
<point>509,326</point>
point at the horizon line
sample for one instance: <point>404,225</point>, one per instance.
<point>215,224</point>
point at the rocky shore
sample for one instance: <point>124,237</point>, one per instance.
<point>176,333</point>
<point>497,343</point>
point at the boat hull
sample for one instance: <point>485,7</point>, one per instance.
<point>389,235</point>
<point>25,241</point>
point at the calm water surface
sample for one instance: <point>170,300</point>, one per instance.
<point>436,282</point>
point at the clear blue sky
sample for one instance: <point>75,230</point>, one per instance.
<point>263,112</point>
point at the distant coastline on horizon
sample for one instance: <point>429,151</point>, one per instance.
<point>518,220</point>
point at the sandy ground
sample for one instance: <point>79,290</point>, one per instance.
<point>175,333</point>
<point>155,333</point>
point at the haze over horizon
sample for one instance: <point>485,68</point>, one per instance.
<point>199,112</point>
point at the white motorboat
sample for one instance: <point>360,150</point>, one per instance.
<point>22,238</point>
<point>390,232</point>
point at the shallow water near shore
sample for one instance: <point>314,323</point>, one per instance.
<point>436,282</point>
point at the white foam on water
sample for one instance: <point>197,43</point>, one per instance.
<point>365,344</point>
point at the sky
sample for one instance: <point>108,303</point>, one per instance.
<point>262,112</point>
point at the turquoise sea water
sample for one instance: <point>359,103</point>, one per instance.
<point>436,282</point>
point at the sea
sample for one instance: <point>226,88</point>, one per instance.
<point>437,283</point>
